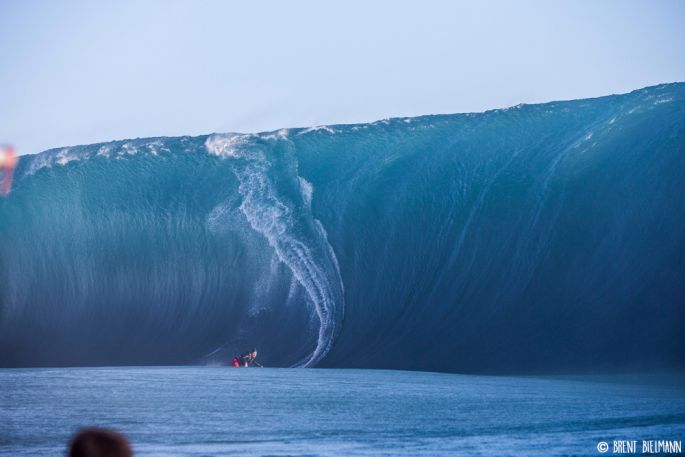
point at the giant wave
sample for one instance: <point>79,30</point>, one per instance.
<point>536,238</point>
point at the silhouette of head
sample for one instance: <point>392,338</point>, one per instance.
<point>99,442</point>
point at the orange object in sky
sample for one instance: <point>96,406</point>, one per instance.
<point>8,160</point>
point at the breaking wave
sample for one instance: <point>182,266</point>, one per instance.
<point>536,238</point>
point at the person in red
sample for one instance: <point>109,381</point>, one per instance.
<point>246,360</point>
<point>8,161</point>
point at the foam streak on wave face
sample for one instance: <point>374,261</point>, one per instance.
<point>298,240</point>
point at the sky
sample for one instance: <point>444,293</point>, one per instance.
<point>84,72</point>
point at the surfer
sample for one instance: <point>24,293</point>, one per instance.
<point>247,359</point>
<point>8,160</point>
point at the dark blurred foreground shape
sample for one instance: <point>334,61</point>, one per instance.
<point>99,442</point>
<point>8,161</point>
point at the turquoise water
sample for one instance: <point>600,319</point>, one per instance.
<point>217,411</point>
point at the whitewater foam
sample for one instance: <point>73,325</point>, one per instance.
<point>318,128</point>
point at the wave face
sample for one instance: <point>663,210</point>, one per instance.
<point>536,238</point>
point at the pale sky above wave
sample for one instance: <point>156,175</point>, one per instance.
<point>83,72</point>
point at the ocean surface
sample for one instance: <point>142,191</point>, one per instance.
<point>537,238</point>
<point>221,411</point>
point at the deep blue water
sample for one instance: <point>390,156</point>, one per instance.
<point>218,411</point>
<point>539,238</point>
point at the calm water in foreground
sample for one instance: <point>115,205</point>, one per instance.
<point>209,411</point>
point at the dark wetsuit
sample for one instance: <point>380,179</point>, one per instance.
<point>246,359</point>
